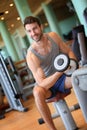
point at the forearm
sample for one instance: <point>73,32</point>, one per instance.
<point>50,81</point>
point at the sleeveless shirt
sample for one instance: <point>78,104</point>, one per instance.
<point>47,61</point>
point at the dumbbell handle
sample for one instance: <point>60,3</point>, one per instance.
<point>72,67</point>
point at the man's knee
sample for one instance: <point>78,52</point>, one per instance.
<point>39,91</point>
<point>68,82</point>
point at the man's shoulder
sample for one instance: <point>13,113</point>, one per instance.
<point>52,34</point>
<point>30,56</point>
<point>30,52</point>
<point>30,48</point>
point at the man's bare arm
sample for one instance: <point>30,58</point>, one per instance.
<point>63,47</point>
<point>42,81</point>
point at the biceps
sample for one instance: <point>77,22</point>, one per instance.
<point>36,69</point>
<point>39,75</point>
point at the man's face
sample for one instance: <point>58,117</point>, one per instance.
<point>34,31</point>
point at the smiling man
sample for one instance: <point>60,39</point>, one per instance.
<point>40,59</point>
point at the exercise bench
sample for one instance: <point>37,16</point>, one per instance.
<point>63,111</point>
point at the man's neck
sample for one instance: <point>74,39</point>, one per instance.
<point>43,41</point>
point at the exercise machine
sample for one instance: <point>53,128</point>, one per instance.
<point>63,111</point>
<point>10,90</point>
<point>79,77</point>
<point>25,90</point>
<point>1,103</point>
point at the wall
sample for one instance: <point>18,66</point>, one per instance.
<point>65,26</point>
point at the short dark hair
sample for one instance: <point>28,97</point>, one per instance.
<point>31,19</point>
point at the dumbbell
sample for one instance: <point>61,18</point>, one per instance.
<point>63,63</point>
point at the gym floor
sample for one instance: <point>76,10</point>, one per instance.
<point>29,120</point>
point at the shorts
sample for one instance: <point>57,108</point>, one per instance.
<point>59,86</point>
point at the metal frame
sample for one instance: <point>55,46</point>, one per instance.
<point>9,88</point>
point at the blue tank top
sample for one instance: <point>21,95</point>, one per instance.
<point>47,61</point>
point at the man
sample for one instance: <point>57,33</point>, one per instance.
<point>40,58</point>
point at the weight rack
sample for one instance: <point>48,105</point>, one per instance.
<point>13,96</point>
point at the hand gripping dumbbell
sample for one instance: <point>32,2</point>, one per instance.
<point>63,63</point>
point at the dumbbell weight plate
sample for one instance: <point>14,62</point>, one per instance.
<point>72,67</point>
<point>61,62</point>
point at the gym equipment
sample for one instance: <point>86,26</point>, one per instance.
<point>72,67</point>
<point>63,111</point>
<point>75,45</point>
<point>1,97</point>
<point>83,48</point>
<point>63,63</point>
<point>79,82</point>
<point>24,91</point>
<point>79,77</point>
<point>11,92</point>
<point>1,103</point>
